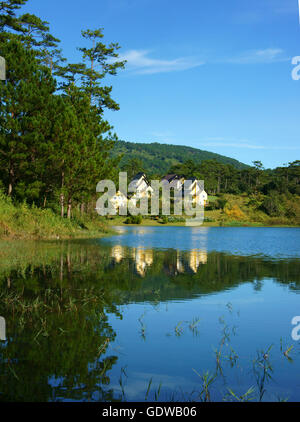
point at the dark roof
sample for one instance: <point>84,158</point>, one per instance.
<point>138,176</point>
<point>190,180</point>
<point>170,177</point>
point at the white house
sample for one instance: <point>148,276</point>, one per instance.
<point>202,198</point>
<point>173,179</point>
<point>193,187</point>
<point>119,200</point>
<point>139,187</point>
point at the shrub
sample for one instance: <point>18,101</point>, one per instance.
<point>271,205</point>
<point>221,203</point>
<point>235,213</point>
<point>134,219</point>
<point>208,220</point>
<point>164,219</point>
<point>174,219</point>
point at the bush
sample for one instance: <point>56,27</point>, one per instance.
<point>173,219</point>
<point>221,203</point>
<point>164,219</point>
<point>211,206</point>
<point>271,205</point>
<point>209,220</point>
<point>235,213</point>
<point>134,219</point>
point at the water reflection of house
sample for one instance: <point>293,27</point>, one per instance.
<point>197,257</point>
<point>143,258</point>
<point>179,263</point>
<point>117,253</point>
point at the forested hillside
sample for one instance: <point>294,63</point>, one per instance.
<point>158,158</point>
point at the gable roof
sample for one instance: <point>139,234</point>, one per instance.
<point>170,177</point>
<point>138,177</point>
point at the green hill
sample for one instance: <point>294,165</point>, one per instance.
<point>158,158</point>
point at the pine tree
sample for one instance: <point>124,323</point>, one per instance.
<point>8,18</point>
<point>53,146</point>
<point>98,61</point>
<point>79,151</point>
<point>24,101</point>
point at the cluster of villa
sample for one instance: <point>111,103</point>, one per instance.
<point>141,187</point>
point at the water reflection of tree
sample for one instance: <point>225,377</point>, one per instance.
<point>67,350</point>
<point>56,299</point>
<point>185,274</point>
<point>58,334</point>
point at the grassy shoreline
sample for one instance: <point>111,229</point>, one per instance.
<point>120,221</point>
<point>78,233</point>
<point>24,222</point>
<point>73,234</point>
<point>238,211</point>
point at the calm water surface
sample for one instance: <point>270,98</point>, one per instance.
<point>154,307</point>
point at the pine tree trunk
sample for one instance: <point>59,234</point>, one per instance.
<point>62,198</point>
<point>219,185</point>
<point>62,208</point>
<point>11,180</point>
<point>9,189</point>
<point>69,208</point>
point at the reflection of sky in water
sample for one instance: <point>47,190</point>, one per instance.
<point>261,312</point>
<point>261,318</point>
<point>271,242</point>
<point>162,278</point>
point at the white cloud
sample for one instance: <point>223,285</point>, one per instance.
<point>233,145</point>
<point>140,62</point>
<point>138,382</point>
<point>222,142</point>
<point>268,55</point>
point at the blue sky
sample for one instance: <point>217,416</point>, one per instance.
<point>210,74</point>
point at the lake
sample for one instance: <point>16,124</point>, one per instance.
<point>152,313</point>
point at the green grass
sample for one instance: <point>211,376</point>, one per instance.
<point>22,221</point>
